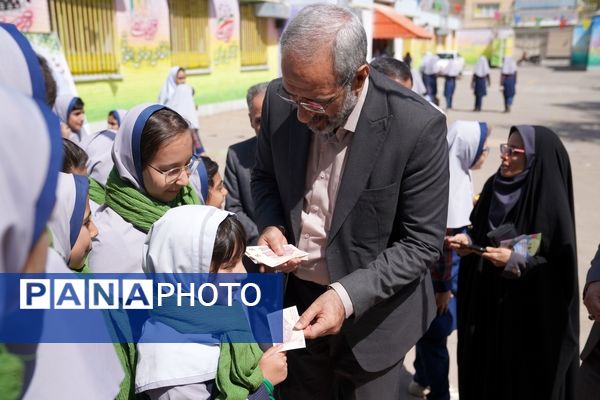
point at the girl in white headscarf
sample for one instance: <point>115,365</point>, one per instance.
<point>182,101</point>
<point>70,109</point>
<point>70,224</point>
<point>451,72</point>
<point>508,81</point>
<point>152,155</point>
<point>481,80</point>
<point>27,200</point>
<point>99,371</point>
<point>176,77</point>
<point>467,146</point>
<point>114,119</point>
<point>20,65</point>
<point>200,239</point>
<point>430,70</point>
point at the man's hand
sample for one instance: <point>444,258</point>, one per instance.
<point>274,238</point>
<point>324,316</point>
<point>441,301</point>
<point>592,300</point>
<point>499,256</point>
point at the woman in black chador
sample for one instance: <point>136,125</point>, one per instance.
<point>518,318</point>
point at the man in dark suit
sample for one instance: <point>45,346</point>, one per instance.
<point>353,169</point>
<point>588,383</point>
<point>240,161</point>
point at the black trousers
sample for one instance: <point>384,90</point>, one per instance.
<point>588,377</point>
<point>327,369</point>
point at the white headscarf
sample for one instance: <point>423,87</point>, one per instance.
<point>20,67</point>
<point>465,145</point>
<point>168,88</point>
<point>482,68</point>
<point>452,68</point>
<point>119,115</point>
<point>68,215</point>
<point>181,241</point>
<point>30,159</point>
<point>509,66</point>
<point>62,107</point>
<point>126,151</point>
<point>182,101</point>
<point>99,149</point>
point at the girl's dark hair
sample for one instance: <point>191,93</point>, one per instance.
<point>113,113</point>
<point>230,244</point>
<point>211,169</point>
<point>49,81</point>
<point>77,105</point>
<point>162,126</point>
<point>75,157</point>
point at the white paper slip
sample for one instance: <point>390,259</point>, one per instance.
<point>264,255</point>
<point>292,339</point>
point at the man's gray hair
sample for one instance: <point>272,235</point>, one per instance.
<point>320,25</point>
<point>254,91</point>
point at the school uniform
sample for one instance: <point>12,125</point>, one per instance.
<point>451,73</point>
<point>508,81</point>
<point>481,80</point>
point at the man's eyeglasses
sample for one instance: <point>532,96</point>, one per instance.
<point>510,150</point>
<point>310,105</point>
<point>172,175</point>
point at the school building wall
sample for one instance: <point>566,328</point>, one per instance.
<point>142,46</point>
<point>492,43</point>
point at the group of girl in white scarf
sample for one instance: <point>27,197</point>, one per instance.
<point>31,134</point>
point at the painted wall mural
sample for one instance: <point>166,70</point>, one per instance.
<point>225,30</point>
<point>144,31</point>
<point>27,15</point>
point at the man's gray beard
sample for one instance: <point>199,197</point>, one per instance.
<point>339,119</point>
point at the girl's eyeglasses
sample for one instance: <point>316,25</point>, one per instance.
<point>172,175</point>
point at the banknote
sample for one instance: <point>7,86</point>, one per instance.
<point>292,339</point>
<point>264,255</point>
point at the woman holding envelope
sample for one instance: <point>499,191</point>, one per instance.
<point>518,318</point>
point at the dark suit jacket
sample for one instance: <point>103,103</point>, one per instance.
<point>593,275</point>
<point>240,161</point>
<point>390,214</point>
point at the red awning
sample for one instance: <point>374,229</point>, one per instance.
<point>389,24</point>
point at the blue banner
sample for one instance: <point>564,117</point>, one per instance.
<point>148,308</point>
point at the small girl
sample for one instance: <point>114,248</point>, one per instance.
<point>70,109</point>
<point>201,239</point>
<point>216,193</point>
<point>114,119</point>
<point>71,223</point>
<point>75,158</point>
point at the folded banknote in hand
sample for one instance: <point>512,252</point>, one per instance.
<point>264,255</point>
